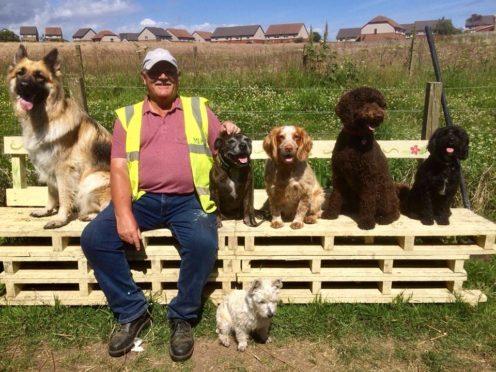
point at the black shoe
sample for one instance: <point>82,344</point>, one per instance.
<point>122,341</point>
<point>181,340</point>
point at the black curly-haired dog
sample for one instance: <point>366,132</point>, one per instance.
<point>360,173</point>
<point>437,178</point>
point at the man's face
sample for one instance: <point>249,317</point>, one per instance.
<point>161,81</point>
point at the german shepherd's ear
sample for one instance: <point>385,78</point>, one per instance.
<point>52,60</point>
<point>20,54</point>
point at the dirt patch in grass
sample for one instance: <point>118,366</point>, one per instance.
<point>209,355</point>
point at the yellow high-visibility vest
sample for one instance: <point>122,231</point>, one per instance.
<point>196,128</point>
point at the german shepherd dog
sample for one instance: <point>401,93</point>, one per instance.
<point>69,150</point>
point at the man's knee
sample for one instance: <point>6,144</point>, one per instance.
<point>88,238</point>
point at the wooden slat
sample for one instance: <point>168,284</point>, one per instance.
<point>322,149</point>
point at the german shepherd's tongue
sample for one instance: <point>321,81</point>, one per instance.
<point>25,105</point>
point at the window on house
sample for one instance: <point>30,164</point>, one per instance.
<point>375,30</point>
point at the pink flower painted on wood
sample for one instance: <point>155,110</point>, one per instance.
<point>414,150</point>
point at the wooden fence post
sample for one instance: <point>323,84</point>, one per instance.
<point>410,54</point>
<point>80,60</point>
<point>76,88</point>
<point>76,84</point>
<point>195,62</point>
<point>432,108</point>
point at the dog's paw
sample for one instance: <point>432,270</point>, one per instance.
<point>55,224</point>
<point>296,225</point>
<point>427,221</point>
<point>242,346</point>
<point>329,215</point>
<point>366,224</point>
<point>443,221</point>
<point>268,340</point>
<point>310,219</point>
<point>224,340</point>
<point>43,212</point>
<point>276,224</point>
<point>87,217</point>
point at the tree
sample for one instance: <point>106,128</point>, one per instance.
<point>7,35</point>
<point>445,27</point>
<point>315,36</point>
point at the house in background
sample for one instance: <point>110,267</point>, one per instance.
<point>287,32</point>
<point>29,33</point>
<point>419,27</point>
<point>154,33</point>
<point>106,36</point>
<point>382,28</point>
<point>480,23</point>
<point>83,34</point>
<point>243,34</point>
<point>129,36</point>
<point>202,36</point>
<point>179,34</point>
<point>53,34</point>
<point>348,34</point>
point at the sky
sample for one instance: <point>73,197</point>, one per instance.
<point>205,15</point>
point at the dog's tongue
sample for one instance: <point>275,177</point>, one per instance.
<point>243,160</point>
<point>372,129</point>
<point>25,105</point>
<point>450,150</point>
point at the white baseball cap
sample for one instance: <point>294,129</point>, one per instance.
<point>158,55</point>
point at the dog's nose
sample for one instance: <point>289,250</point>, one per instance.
<point>242,146</point>
<point>270,314</point>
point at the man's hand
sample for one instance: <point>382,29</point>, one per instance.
<point>128,230</point>
<point>229,127</point>
<point>120,188</point>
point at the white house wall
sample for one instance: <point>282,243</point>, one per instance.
<point>382,28</point>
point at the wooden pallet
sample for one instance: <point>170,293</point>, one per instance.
<point>47,266</point>
<point>331,260</point>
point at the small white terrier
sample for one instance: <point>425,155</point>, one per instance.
<point>245,312</point>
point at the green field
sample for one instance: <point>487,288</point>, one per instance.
<point>261,86</point>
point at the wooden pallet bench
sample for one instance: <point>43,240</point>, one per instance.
<point>332,260</point>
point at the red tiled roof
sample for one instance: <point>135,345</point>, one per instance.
<point>53,31</point>
<point>204,34</point>
<point>382,19</point>
<point>284,29</point>
<point>179,33</point>
<point>28,30</point>
<point>103,33</point>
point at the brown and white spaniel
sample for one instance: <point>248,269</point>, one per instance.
<point>294,192</point>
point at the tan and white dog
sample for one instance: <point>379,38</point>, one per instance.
<point>248,312</point>
<point>69,150</point>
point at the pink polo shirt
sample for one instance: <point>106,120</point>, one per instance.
<point>164,165</point>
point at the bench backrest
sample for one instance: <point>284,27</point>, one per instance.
<point>23,195</point>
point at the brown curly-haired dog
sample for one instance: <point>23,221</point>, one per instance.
<point>360,174</point>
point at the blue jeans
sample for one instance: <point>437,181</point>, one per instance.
<point>196,232</point>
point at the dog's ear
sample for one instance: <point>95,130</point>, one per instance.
<point>20,54</point>
<point>270,143</point>
<point>277,283</point>
<point>257,283</point>
<point>218,143</point>
<point>52,60</point>
<point>344,108</point>
<point>431,145</point>
<point>305,146</point>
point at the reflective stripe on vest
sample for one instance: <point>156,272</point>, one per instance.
<point>196,130</point>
